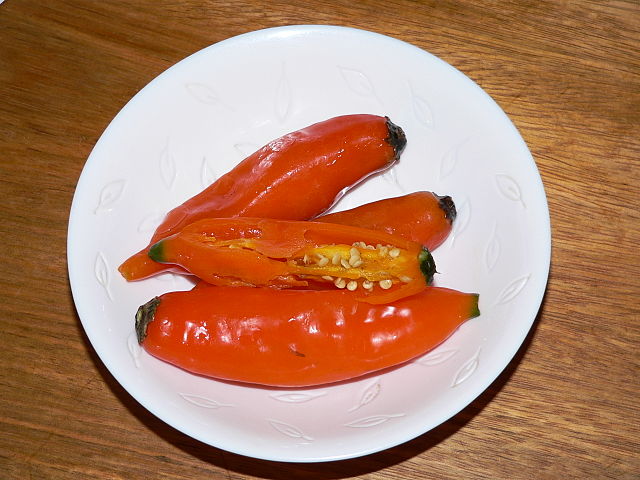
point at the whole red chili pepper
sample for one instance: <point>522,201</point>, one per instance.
<point>296,177</point>
<point>292,338</point>
<point>286,253</point>
<point>423,217</point>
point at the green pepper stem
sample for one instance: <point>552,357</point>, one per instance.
<point>427,265</point>
<point>156,252</point>
<point>475,310</point>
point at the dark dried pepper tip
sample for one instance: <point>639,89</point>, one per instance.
<point>448,207</point>
<point>397,139</point>
<point>427,265</point>
<point>144,316</point>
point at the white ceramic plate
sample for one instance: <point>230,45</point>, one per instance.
<point>201,117</point>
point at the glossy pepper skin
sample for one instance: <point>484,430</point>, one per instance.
<point>423,217</point>
<point>296,177</point>
<point>284,253</point>
<point>290,338</point>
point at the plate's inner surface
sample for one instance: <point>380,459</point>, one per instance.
<point>201,117</point>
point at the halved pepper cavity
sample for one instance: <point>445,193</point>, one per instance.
<point>259,252</point>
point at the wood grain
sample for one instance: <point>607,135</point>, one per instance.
<point>567,74</point>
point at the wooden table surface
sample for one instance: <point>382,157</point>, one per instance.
<point>567,74</point>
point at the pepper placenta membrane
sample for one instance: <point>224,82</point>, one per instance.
<point>423,217</point>
<point>292,338</point>
<point>296,177</point>
<point>279,253</point>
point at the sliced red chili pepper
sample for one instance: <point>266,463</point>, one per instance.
<point>423,217</point>
<point>281,253</point>
<point>275,182</point>
<point>291,338</point>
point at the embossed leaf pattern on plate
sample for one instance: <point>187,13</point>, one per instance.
<point>134,348</point>
<point>372,420</point>
<point>289,430</point>
<point>203,402</point>
<point>357,82</point>
<point>150,222</point>
<point>283,97</point>
<point>492,252</point>
<point>167,164</point>
<point>203,93</point>
<point>371,391</point>
<point>512,290</point>
<point>101,271</point>
<point>436,358</point>
<point>463,209</point>
<point>509,188</point>
<point>467,369</point>
<point>109,194</point>
<point>246,148</point>
<point>207,174</point>
<point>391,177</point>
<point>450,159</point>
<point>421,109</point>
<point>296,397</point>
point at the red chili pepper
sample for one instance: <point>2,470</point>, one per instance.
<point>295,177</point>
<point>291,338</point>
<point>423,217</point>
<point>282,253</point>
